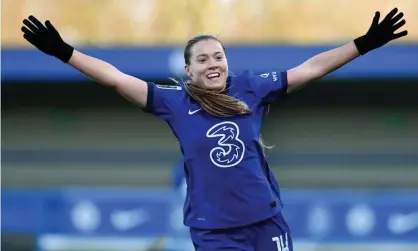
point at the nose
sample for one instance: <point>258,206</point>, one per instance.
<point>214,67</point>
<point>213,64</point>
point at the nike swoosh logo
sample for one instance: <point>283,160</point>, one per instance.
<point>193,112</point>
<point>402,223</point>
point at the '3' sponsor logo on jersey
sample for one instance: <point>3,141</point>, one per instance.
<point>230,149</point>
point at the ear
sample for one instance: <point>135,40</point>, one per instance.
<point>187,69</point>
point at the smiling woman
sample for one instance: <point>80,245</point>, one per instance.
<point>206,62</point>
<point>220,144</point>
<point>207,67</point>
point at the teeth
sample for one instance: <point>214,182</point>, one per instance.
<point>213,75</point>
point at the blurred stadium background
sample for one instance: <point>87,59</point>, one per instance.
<point>84,170</point>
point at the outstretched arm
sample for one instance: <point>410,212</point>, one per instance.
<point>47,39</point>
<point>329,61</point>
<point>320,65</point>
<point>133,89</point>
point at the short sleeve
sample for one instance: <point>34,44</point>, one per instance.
<point>269,87</point>
<point>161,99</point>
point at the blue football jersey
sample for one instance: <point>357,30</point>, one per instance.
<point>229,183</point>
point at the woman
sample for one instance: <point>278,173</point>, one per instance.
<point>233,200</point>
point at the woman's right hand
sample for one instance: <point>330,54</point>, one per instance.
<point>46,38</point>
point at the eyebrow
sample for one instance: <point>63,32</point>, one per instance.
<point>204,54</point>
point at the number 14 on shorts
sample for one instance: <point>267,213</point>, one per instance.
<point>281,242</point>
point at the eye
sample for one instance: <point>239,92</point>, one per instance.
<point>219,57</point>
<point>201,60</point>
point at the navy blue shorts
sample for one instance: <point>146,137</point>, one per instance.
<point>269,235</point>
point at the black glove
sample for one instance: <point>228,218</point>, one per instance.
<point>381,33</point>
<point>46,38</point>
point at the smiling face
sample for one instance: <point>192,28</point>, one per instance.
<point>206,62</point>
